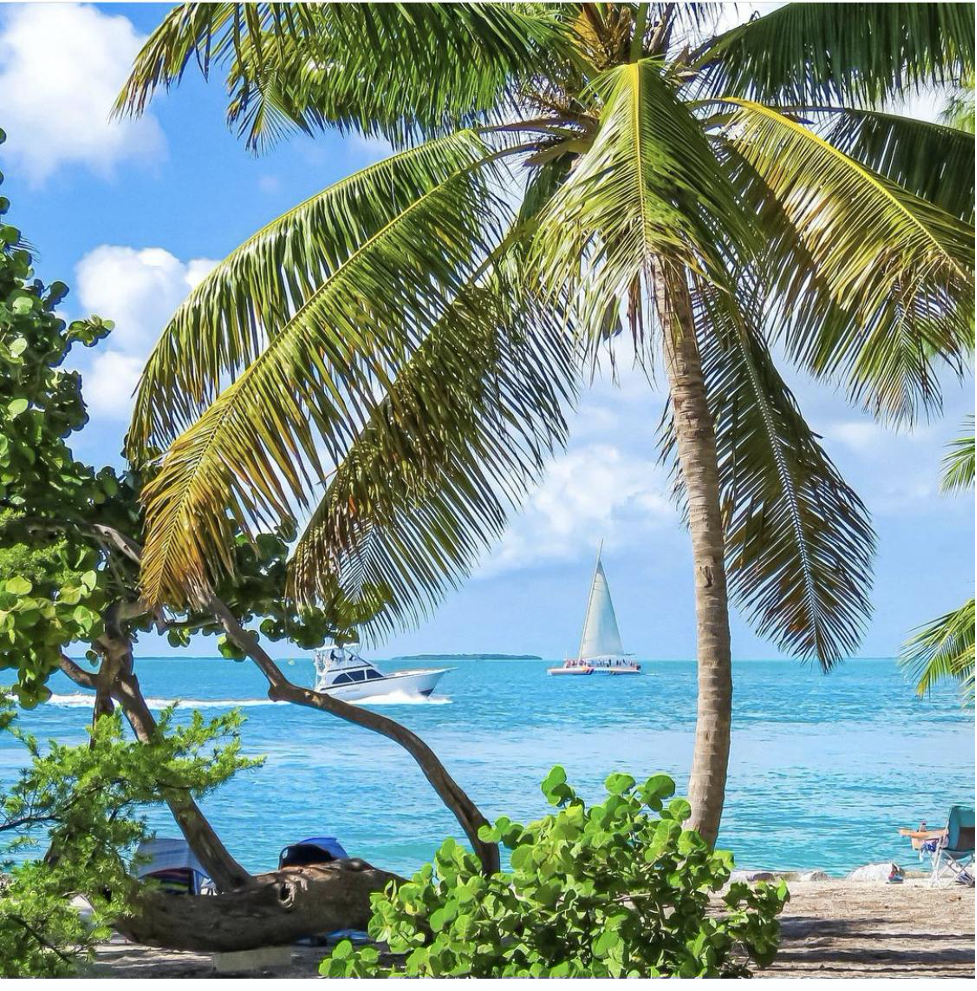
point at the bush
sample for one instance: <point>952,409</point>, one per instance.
<point>609,891</point>
<point>85,804</point>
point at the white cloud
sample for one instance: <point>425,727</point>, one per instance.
<point>61,68</point>
<point>866,436</point>
<point>138,290</point>
<point>372,149</point>
<point>591,493</point>
<point>110,383</point>
<point>859,435</point>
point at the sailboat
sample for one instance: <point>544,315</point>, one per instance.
<point>601,650</point>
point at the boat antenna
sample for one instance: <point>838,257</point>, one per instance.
<point>590,599</point>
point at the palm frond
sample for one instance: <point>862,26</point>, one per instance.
<point>959,110</point>
<point>648,187</point>
<point>226,322</point>
<point>459,439</point>
<point>799,542</point>
<point>932,161</point>
<point>260,446</point>
<point>958,465</point>
<point>943,651</point>
<point>399,70</point>
<point>853,53</point>
<point>897,269</point>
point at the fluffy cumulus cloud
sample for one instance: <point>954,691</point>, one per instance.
<point>138,290</point>
<point>594,492</point>
<point>61,67</point>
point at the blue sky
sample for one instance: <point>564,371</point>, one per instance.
<point>131,215</point>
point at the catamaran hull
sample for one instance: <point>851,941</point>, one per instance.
<point>577,671</point>
<point>415,682</point>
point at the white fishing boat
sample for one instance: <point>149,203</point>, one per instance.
<point>601,650</point>
<point>347,676</point>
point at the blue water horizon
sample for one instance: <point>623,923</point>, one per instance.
<point>823,770</point>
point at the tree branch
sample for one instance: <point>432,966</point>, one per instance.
<point>223,869</point>
<point>281,689</point>
<point>77,673</point>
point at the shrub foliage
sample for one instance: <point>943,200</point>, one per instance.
<point>83,808</point>
<point>616,890</point>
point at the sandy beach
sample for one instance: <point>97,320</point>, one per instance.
<point>858,929</point>
<point>830,929</point>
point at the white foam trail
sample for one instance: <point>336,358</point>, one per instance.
<point>85,701</point>
<point>79,701</point>
<point>402,698</point>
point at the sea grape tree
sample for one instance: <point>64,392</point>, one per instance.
<point>69,582</point>
<point>83,808</point>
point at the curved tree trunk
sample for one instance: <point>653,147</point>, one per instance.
<point>281,689</point>
<point>226,873</point>
<point>278,908</point>
<point>698,460</point>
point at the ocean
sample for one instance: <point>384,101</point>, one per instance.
<point>824,768</point>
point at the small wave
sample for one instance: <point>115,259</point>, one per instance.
<point>79,701</point>
<point>85,701</point>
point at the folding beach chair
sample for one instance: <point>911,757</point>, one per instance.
<point>953,858</point>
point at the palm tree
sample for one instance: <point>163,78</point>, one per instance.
<point>944,649</point>
<point>391,360</point>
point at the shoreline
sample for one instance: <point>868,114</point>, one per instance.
<point>831,928</point>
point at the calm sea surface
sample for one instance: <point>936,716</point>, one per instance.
<point>823,769</point>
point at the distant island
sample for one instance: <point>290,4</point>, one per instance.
<point>467,657</point>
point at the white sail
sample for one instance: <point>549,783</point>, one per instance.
<point>601,636</point>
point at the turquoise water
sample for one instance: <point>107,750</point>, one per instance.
<point>823,769</point>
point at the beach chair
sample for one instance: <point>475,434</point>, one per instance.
<point>953,857</point>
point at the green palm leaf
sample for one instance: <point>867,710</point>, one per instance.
<point>799,541</point>
<point>226,321</point>
<point>958,465</point>
<point>255,451</point>
<point>648,188</point>
<point>899,269</point>
<point>932,161</point>
<point>855,53</point>
<point>400,70</point>
<point>459,439</point>
<point>943,651</point>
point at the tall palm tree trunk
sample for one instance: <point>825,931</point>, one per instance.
<point>698,461</point>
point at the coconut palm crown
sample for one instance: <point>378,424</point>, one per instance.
<point>390,362</point>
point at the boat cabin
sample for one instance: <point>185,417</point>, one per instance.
<point>336,666</point>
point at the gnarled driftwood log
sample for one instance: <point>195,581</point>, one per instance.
<point>277,908</point>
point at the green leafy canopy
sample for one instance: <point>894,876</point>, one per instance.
<point>84,805</point>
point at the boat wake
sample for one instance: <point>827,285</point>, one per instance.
<point>403,698</point>
<point>81,701</point>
